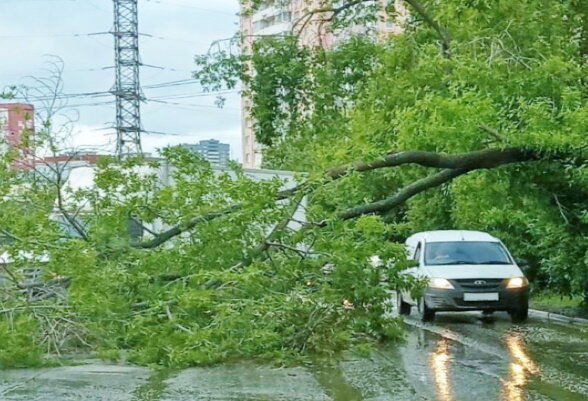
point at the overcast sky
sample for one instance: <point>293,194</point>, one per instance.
<point>180,29</point>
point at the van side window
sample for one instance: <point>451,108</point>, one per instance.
<point>417,253</point>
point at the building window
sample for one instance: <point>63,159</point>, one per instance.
<point>285,16</point>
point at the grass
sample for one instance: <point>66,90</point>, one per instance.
<point>553,302</point>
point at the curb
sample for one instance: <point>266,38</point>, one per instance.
<point>549,316</point>
<point>540,314</point>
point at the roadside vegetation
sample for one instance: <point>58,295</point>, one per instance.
<point>573,305</point>
<point>474,118</point>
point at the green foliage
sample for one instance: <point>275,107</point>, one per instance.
<point>224,288</point>
<point>515,76</point>
<point>185,303</point>
<point>219,70</point>
<point>19,347</point>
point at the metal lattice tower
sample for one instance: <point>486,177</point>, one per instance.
<point>127,88</point>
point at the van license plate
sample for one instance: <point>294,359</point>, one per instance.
<point>481,296</point>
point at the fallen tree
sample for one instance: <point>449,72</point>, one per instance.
<point>453,166</point>
<point>489,134</point>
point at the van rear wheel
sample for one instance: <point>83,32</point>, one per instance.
<point>403,307</point>
<point>427,314</point>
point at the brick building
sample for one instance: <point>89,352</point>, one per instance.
<point>17,120</point>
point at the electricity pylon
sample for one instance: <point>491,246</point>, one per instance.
<point>127,88</point>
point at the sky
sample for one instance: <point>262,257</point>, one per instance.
<point>33,31</point>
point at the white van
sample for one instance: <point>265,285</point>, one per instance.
<point>466,270</point>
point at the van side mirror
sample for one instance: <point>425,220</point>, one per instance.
<point>522,263</point>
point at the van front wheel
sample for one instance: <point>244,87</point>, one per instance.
<point>519,315</point>
<point>403,307</point>
<point>426,313</point>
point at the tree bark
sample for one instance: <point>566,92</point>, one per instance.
<point>454,165</point>
<point>403,195</point>
<point>176,230</point>
<point>487,158</point>
<point>181,228</point>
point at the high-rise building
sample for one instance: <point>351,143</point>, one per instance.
<point>293,16</point>
<point>216,153</point>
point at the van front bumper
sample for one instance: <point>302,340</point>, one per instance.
<point>453,300</point>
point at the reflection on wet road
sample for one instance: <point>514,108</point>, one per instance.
<point>520,367</point>
<point>440,366</point>
<point>471,357</point>
<point>459,357</point>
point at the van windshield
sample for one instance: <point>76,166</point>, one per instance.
<point>466,252</point>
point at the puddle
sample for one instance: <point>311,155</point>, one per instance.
<point>331,379</point>
<point>153,389</point>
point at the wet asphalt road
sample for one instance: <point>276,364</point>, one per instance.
<point>467,356</point>
<point>459,357</point>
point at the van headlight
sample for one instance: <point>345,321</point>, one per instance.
<point>441,283</point>
<point>516,282</point>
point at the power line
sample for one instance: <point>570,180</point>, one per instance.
<point>160,133</point>
<point>66,96</point>
<point>127,91</point>
<point>191,95</point>
<point>181,82</point>
<point>36,1</point>
<point>167,2</point>
<point>192,105</point>
<point>54,35</point>
<point>109,103</point>
<point>176,4</point>
<point>198,42</point>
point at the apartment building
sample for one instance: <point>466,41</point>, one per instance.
<point>283,17</point>
<point>218,154</point>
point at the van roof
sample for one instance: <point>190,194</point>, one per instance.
<point>452,235</point>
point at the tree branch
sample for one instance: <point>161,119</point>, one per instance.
<point>302,253</point>
<point>176,230</point>
<point>267,241</point>
<point>455,166</point>
<point>403,195</point>
<point>488,158</point>
<point>181,228</point>
<point>335,11</point>
<point>561,209</point>
<point>443,35</point>
<point>479,159</point>
<point>59,182</point>
<point>492,132</point>
<point>19,239</point>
